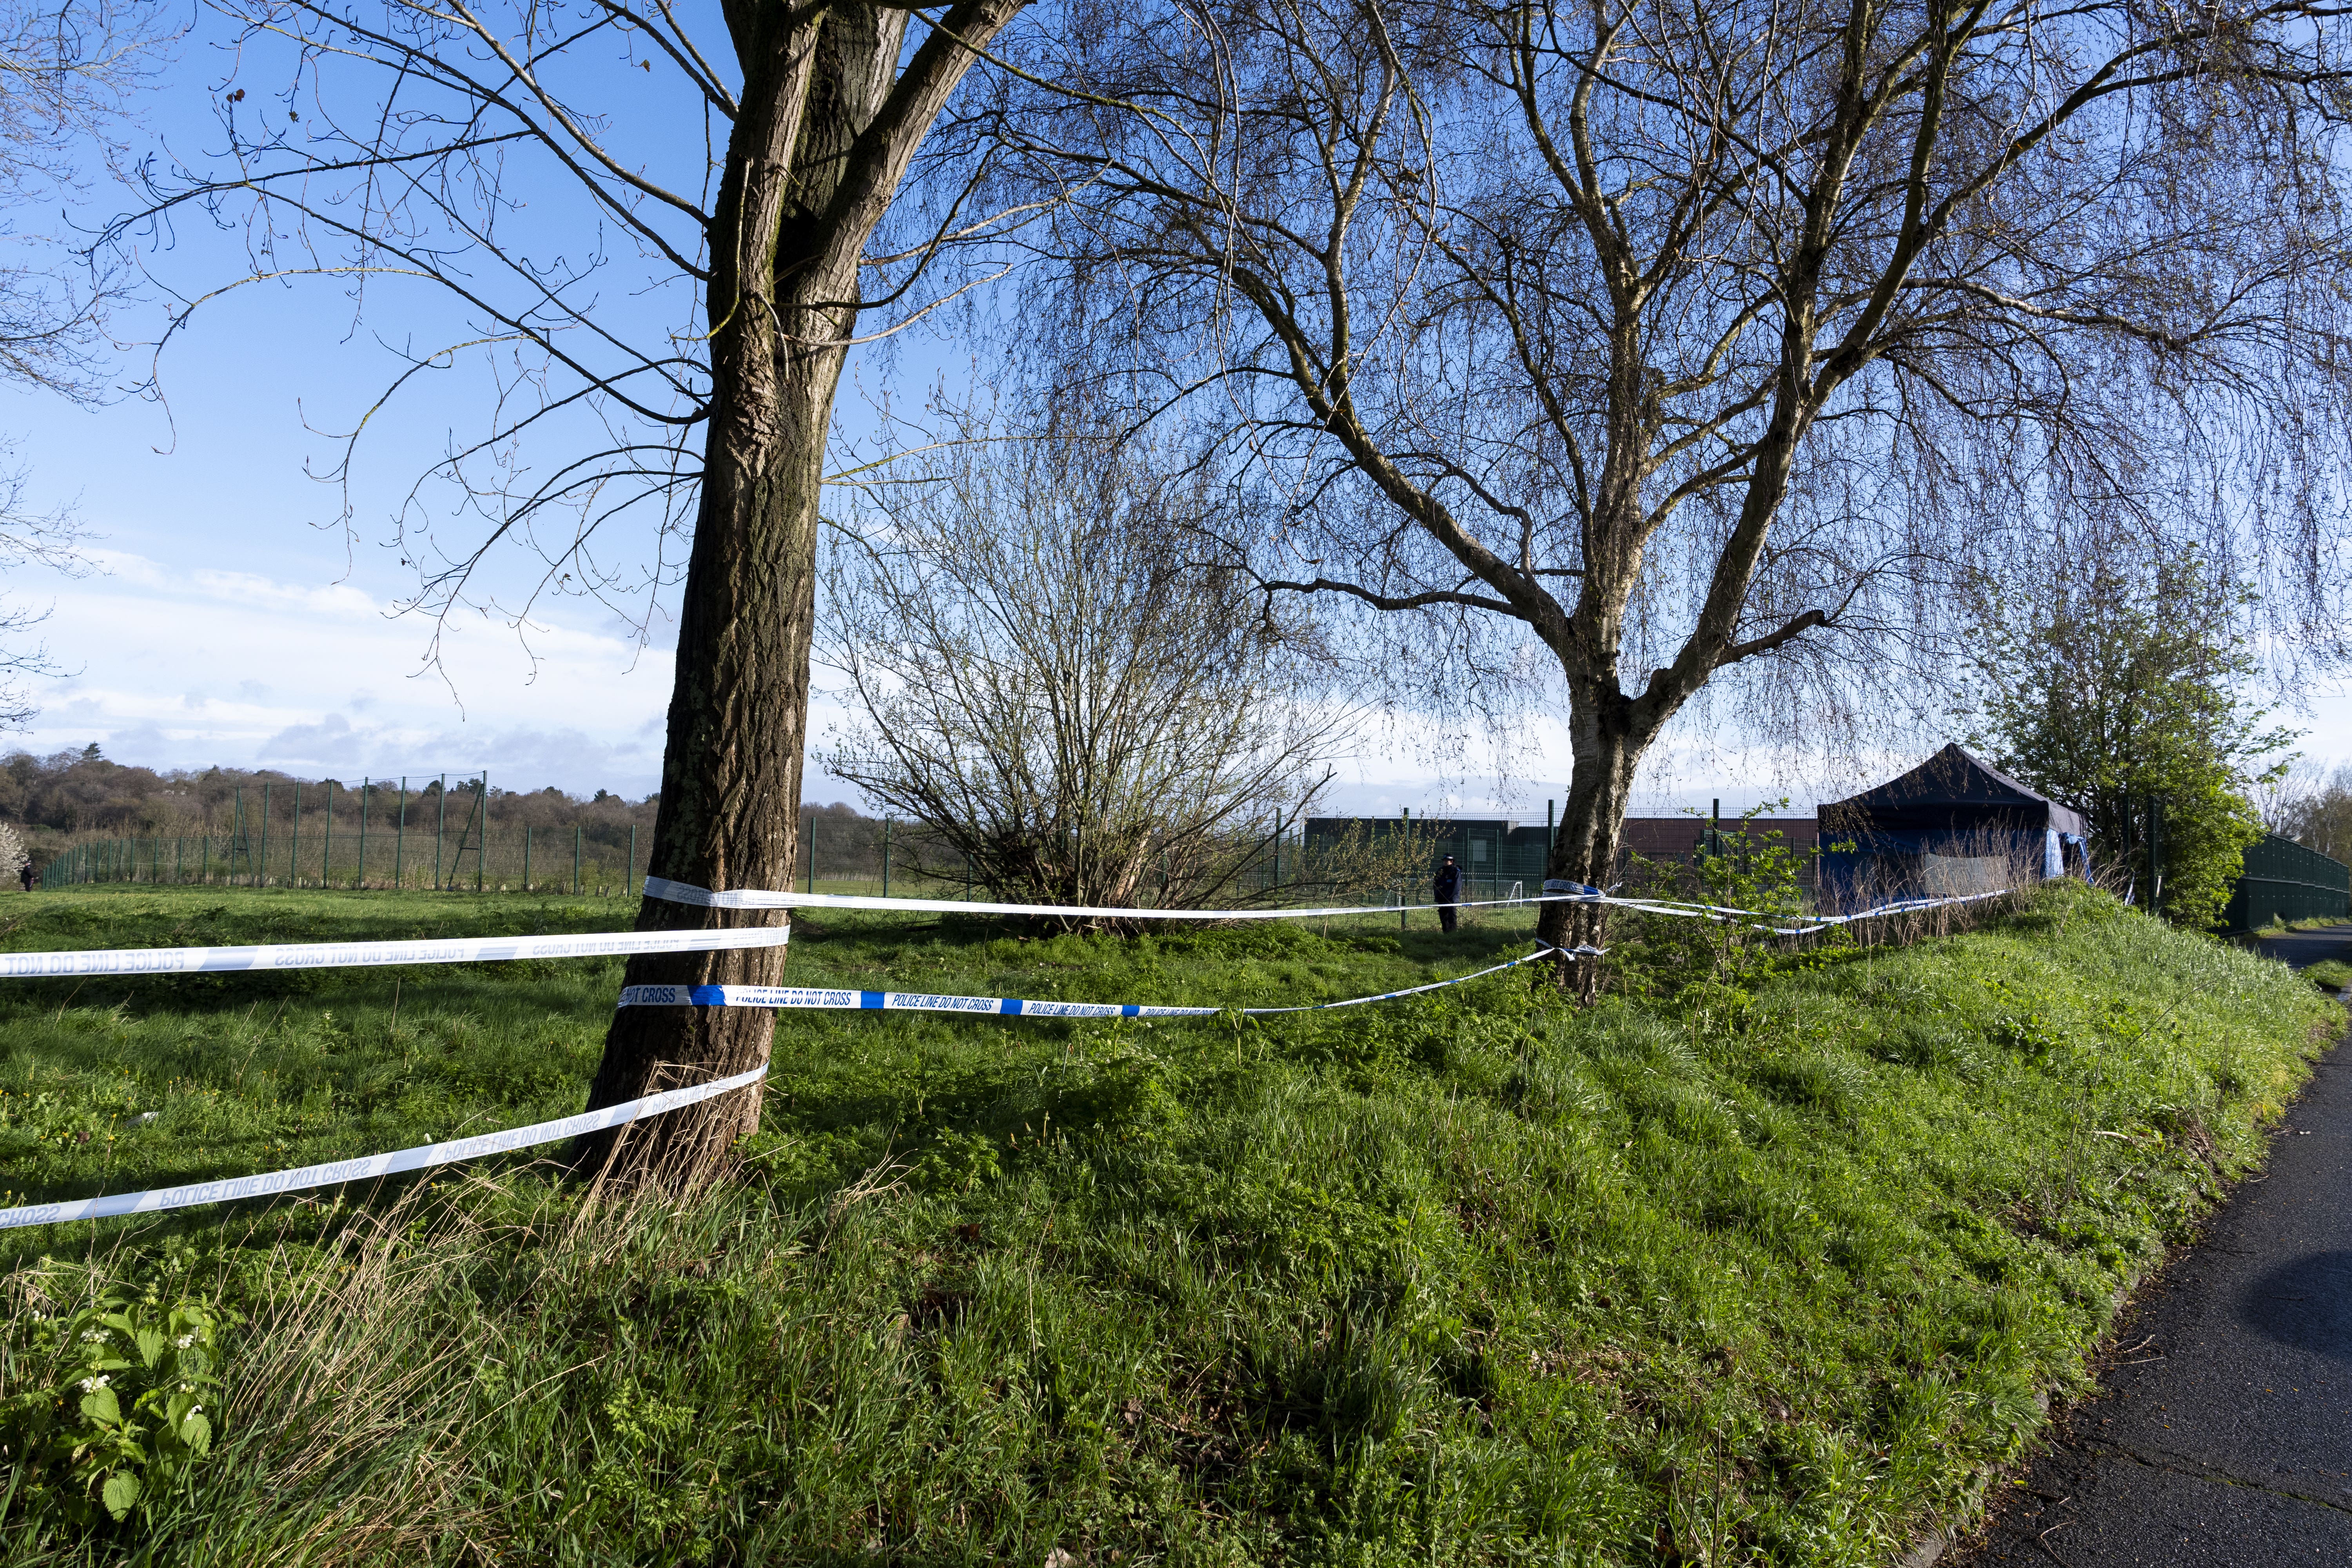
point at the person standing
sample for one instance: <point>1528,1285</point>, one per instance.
<point>1448,888</point>
<point>24,875</point>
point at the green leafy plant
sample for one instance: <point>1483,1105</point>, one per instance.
<point>2120,689</point>
<point>125,1410</point>
<point>1746,868</point>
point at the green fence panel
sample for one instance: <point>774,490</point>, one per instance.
<point>2283,880</point>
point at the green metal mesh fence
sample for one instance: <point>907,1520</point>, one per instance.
<point>2283,880</point>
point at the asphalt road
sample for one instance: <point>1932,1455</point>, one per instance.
<point>2222,1434</point>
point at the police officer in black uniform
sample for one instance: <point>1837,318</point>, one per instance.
<point>1448,887</point>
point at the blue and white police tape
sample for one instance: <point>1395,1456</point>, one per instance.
<point>793,996</point>
<point>134,960</point>
<point>369,1167</point>
<point>763,899</point>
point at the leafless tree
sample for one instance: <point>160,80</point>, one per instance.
<point>67,76</point>
<point>2312,806</point>
<point>660,237</point>
<point>1681,343</point>
<point>28,537</point>
<point>1075,708</point>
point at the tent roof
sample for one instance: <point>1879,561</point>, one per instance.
<point>1954,783</point>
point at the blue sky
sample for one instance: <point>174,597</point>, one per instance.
<point>225,625</point>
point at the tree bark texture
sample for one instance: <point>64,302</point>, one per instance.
<point>828,125</point>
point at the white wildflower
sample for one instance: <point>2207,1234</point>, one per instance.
<point>92,1336</point>
<point>92,1384</point>
<point>185,1341</point>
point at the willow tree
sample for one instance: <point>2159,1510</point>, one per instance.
<point>1670,345</point>
<point>660,237</point>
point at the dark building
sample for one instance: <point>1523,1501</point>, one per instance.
<point>1952,825</point>
<point>1496,852</point>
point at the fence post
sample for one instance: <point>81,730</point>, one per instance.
<point>810,825</point>
<point>575,859</point>
<point>482,838</point>
<point>399,833</point>
<point>365,782</point>
<point>205,876</point>
<point>261,872</point>
<point>886,856</point>
<point>1404,815</point>
<point>327,854</point>
<point>526,856</point>
<point>294,841</point>
<point>629,871</point>
<point>440,831</point>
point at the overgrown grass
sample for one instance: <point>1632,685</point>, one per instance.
<point>1768,1273</point>
<point>2332,972</point>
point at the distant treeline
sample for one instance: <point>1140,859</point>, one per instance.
<point>74,797</point>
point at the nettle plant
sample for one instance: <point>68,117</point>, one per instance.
<point>123,1410</point>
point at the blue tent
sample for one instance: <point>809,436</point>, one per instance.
<point>1953,825</point>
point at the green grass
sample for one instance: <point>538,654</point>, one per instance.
<point>2332,972</point>
<point>1774,1273</point>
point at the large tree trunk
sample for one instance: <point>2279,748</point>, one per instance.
<point>828,126</point>
<point>730,811</point>
<point>783,269</point>
<point>1607,740</point>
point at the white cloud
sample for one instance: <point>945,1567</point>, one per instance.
<point>188,668</point>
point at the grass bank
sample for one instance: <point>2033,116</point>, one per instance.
<point>1771,1272</point>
